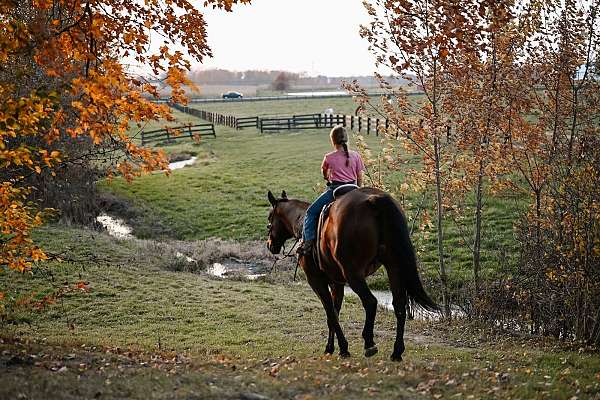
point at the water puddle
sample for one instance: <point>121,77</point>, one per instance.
<point>233,267</point>
<point>181,164</point>
<point>115,227</point>
<point>385,298</point>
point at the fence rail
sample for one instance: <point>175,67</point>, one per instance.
<point>180,132</point>
<point>247,122</point>
<point>356,123</point>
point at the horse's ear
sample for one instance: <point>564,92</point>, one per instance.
<point>283,194</point>
<point>272,199</point>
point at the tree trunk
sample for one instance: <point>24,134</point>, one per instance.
<point>477,230</point>
<point>440,232</point>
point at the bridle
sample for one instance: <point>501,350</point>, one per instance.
<point>289,253</point>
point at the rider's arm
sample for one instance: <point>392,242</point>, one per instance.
<point>325,169</point>
<point>359,178</point>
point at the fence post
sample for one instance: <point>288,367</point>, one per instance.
<point>344,120</point>
<point>190,131</point>
<point>352,122</point>
<point>377,127</point>
<point>168,136</point>
<point>359,123</point>
<point>143,143</point>
<point>368,125</point>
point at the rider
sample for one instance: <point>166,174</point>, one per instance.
<point>339,167</point>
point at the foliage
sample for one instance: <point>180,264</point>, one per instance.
<point>557,293</point>
<point>62,64</point>
<point>282,82</point>
<point>511,92</point>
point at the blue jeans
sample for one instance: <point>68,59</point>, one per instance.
<point>311,218</point>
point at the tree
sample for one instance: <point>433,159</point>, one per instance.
<point>282,82</point>
<point>558,155</point>
<point>63,76</point>
<point>414,39</point>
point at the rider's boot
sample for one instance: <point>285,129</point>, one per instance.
<point>306,247</point>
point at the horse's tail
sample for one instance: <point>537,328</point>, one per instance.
<point>397,237</point>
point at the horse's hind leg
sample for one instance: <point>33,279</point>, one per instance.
<point>399,303</point>
<point>369,303</point>
<point>318,282</point>
<point>337,294</point>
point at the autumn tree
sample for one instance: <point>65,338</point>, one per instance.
<point>415,39</point>
<point>282,82</point>
<point>64,79</point>
<point>557,154</point>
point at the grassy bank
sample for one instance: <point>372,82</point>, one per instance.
<point>142,329</point>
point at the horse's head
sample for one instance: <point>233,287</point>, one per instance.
<point>279,223</point>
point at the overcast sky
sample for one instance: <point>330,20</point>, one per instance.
<point>311,36</point>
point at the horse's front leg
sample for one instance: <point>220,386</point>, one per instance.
<point>337,295</point>
<point>318,281</point>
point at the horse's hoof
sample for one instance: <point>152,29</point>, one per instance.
<point>396,358</point>
<point>344,354</point>
<point>371,351</point>
<point>329,350</point>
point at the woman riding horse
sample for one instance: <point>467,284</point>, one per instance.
<point>365,229</point>
<point>339,167</point>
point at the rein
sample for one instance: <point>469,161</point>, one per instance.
<point>288,255</point>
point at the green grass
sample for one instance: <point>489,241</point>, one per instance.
<point>265,108</point>
<point>141,329</point>
<point>224,195</point>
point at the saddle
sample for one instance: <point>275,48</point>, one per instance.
<point>337,193</point>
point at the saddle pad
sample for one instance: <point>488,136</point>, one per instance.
<point>343,189</point>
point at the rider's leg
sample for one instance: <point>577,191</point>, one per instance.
<point>311,218</point>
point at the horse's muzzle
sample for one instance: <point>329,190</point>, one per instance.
<point>274,249</point>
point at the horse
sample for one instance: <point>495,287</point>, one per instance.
<point>365,229</point>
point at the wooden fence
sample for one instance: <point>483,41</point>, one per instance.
<point>361,124</point>
<point>354,123</point>
<point>219,119</point>
<point>247,122</point>
<point>180,132</point>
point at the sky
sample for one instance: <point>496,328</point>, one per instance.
<point>310,36</point>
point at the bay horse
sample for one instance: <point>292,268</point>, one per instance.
<point>365,229</point>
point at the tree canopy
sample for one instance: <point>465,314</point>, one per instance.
<point>64,78</point>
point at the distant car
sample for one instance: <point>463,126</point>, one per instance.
<point>232,95</point>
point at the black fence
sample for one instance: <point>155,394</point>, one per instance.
<point>356,123</point>
<point>194,132</point>
<point>247,122</point>
<point>316,121</point>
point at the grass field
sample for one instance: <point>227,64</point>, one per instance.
<point>340,105</point>
<point>141,331</point>
<point>224,194</point>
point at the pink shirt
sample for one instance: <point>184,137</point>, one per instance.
<point>334,164</point>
